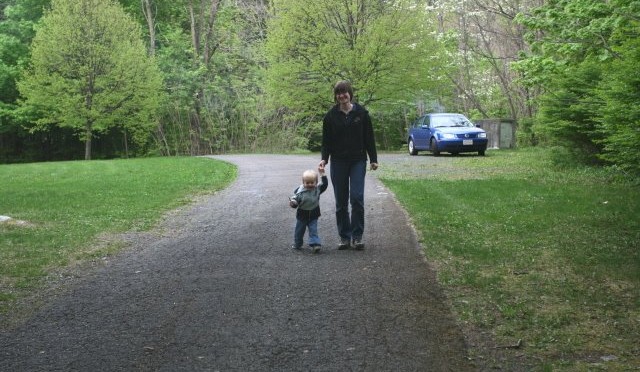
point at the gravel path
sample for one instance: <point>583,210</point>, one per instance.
<point>217,289</point>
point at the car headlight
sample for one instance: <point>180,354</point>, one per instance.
<point>448,135</point>
<point>482,135</point>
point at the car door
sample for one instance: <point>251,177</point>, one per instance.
<point>421,133</point>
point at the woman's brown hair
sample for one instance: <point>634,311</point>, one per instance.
<point>342,86</point>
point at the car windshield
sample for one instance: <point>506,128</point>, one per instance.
<point>450,121</point>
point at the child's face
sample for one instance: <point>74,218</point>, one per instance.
<point>309,182</point>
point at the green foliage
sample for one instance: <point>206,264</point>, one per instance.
<point>16,33</point>
<point>620,117</point>
<point>569,109</point>
<point>585,54</point>
<point>249,76</point>
<point>89,71</point>
<point>384,48</point>
<point>17,21</point>
<point>214,100</point>
<point>574,29</point>
<point>525,135</point>
<point>12,50</point>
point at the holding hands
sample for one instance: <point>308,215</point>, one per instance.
<point>321,166</point>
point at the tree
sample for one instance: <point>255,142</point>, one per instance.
<point>90,71</point>
<point>585,56</point>
<point>487,40</point>
<point>385,48</point>
<point>209,53</point>
<point>620,91</point>
<point>17,20</point>
<point>379,46</point>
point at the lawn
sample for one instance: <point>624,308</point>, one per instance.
<point>65,206</point>
<point>533,254</point>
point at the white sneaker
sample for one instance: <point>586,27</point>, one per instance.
<point>344,244</point>
<point>358,244</point>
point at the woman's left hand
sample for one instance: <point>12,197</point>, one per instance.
<point>374,166</point>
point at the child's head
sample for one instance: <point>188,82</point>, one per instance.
<point>309,179</point>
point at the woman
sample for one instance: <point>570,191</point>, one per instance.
<point>347,139</point>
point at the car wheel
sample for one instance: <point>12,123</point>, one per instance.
<point>412,148</point>
<point>434,147</point>
<point>481,152</point>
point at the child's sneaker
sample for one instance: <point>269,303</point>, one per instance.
<point>316,248</point>
<point>295,247</point>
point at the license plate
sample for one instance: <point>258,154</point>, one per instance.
<point>467,142</point>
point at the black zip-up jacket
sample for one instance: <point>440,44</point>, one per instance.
<point>348,136</point>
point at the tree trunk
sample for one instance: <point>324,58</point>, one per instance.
<point>209,48</point>
<point>195,130</point>
<point>87,142</point>
<point>195,33</point>
<point>202,17</point>
<point>150,18</point>
<point>126,144</point>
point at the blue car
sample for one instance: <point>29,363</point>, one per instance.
<point>452,133</point>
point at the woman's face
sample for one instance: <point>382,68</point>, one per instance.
<point>343,97</point>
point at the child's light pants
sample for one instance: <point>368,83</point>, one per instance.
<point>301,227</point>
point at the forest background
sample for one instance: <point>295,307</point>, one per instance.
<point>83,79</point>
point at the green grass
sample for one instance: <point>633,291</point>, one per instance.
<point>526,251</point>
<point>68,205</point>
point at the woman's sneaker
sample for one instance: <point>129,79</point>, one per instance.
<point>344,244</point>
<point>358,244</point>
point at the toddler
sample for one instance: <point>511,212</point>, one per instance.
<point>306,198</point>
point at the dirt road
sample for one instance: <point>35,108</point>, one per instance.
<point>217,289</point>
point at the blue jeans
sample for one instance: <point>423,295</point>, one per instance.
<point>301,227</point>
<point>347,178</point>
